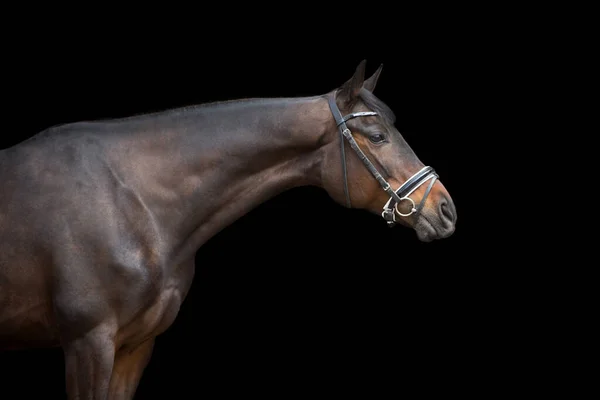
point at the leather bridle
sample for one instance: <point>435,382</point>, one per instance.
<point>390,209</point>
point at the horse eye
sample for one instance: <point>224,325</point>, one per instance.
<point>377,138</point>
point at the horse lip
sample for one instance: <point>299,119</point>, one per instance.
<point>426,231</point>
<point>431,230</point>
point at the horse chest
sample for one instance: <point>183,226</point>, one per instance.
<point>155,319</point>
<point>162,310</point>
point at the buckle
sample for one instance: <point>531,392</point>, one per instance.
<point>388,215</point>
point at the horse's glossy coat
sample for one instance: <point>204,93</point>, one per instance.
<point>100,221</point>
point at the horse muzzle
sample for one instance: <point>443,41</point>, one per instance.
<point>438,219</point>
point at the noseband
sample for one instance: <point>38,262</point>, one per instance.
<point>390,209</point>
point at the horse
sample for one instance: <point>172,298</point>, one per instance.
<point>100,220</point>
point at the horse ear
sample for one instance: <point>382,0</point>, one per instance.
<point>348,92</point>
<point>372,81</point>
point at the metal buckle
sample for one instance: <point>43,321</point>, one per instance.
<point>388,216</point>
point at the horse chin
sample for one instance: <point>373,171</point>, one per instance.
<point>426,232</point>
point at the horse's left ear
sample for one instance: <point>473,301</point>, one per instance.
<point>372,81</point>
<point>348,92</point>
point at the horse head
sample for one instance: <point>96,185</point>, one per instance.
<point>379,171</point>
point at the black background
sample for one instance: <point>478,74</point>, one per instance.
<point>301,295</point>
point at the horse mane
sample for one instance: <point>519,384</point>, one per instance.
<point>191,108</point>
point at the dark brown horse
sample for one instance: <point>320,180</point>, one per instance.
<point>100,221</point>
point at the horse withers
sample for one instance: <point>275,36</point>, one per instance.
<point>100,221</point>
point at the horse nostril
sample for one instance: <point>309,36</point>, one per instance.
<point>446,211</point>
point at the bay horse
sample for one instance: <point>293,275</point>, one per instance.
<point>100,220</point>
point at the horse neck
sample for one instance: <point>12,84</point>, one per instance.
<point>205,167</point>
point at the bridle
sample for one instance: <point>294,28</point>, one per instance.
<point>390,209</point>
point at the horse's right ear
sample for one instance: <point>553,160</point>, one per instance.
<point>348,92</point>
<point>372,81</point>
